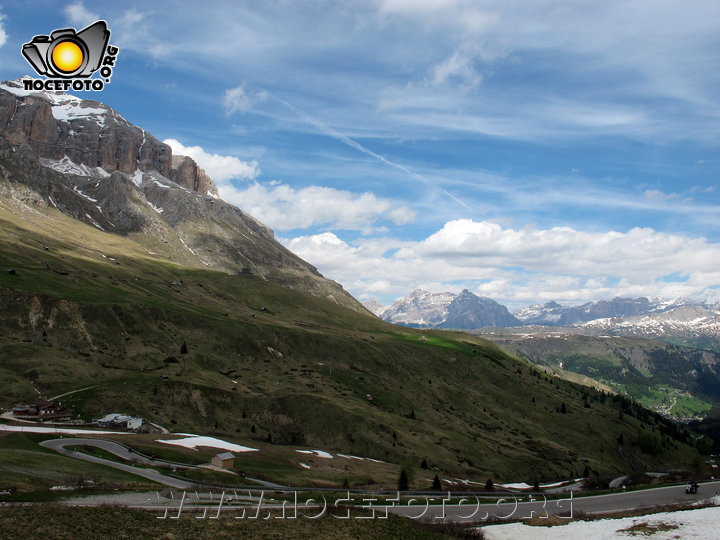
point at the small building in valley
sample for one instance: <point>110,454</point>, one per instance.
<point>226,460</point>
<point>42,410</point>
<point>120,421</point>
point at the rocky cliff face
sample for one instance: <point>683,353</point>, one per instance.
<point>553,314</point>
<point>185,172</point>
<point>468,311</point>
<point>57,126</point>
<point>447,310</point>
<point>421,308</point>
<point>84,159</point>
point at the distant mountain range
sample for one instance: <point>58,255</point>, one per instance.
<point>553,314</point>
<point>466,311</point>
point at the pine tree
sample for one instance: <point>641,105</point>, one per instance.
<point>436,486</point>
<point>489,485</point>
<point>403,483</point>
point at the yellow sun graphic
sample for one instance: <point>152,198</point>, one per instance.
<point>67,56</point>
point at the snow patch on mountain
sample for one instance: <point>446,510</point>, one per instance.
<point>68,166</point>
<point>421,308</point>
<point>687,320</point>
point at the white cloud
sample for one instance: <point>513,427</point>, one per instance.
<point>283,207</point>
<point>402,216</point>
<point>636,253</point>
<point>409,7</point>
<point>519,267</point>
<point>239,99</point>
<point>79,14</point>
<point>131,18</point>
<point>220,168</point>
<point>655,195</point>
<point>458,66</point>
<point>463,13</point>
<point>3,34</point>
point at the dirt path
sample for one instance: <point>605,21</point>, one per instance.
<point>73,392</point>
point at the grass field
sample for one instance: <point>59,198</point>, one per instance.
<point>27,466</point>
<point>58,522</point>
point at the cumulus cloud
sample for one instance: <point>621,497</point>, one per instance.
<point>520,266</point>
<point>220,168</point>
<point>79,15</point>
<point>566,250</point>
<point>284,207</point>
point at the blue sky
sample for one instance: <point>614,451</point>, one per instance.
<point>528,151</point>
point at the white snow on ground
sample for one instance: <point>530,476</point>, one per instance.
<point>346,456</point>
<point>304,466</point>
<point>188,247</point>
<point>71,110</point>
<point>468,482</point>
<point>156,208</point>
<point>318,453</point>
<point>83,195</point>
<point>93,221</point>
<point>136,177</point>
<point>195,441</point>
<point>523,485</point>
<point>40,429</point>
<point>68,166</point>
<point>351,457</point>
<point>702,523</point>
<point>556,484</point>
<point>518,485</point>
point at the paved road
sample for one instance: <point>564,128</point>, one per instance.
<point>513,508</point>
<point>429,508</point>
<point>119,450</point>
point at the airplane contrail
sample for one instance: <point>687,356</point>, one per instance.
<point>360,148</point>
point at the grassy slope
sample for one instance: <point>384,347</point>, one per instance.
<point>108,522</point>
<point>27,466</point>
<point>302,371</point>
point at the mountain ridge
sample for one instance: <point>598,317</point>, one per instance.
<point>84,159</point>
<point>424,309</point>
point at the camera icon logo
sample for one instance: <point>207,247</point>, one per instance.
<point>68,54</point>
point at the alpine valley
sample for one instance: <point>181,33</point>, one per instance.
<point>129,286</point>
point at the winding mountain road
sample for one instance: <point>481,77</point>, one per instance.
<point>513,506</point>
<point>121,451</point>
